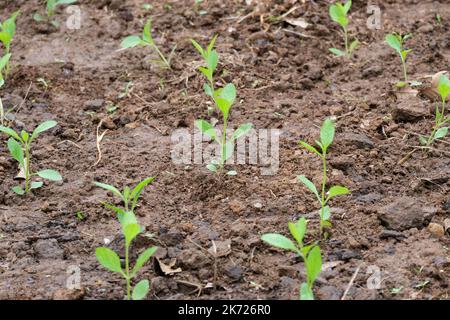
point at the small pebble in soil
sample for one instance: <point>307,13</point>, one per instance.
<point>436,230</point>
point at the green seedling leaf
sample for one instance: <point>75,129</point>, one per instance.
<point>337,191</point>
<point>241,131</point>
<point>212,167</point>
<point>337,52</point>
<point>140,291</point>
<point>443,87</point>
<point>279,241</point>
<point>309,147</point>
<point>395,42</point>
<point>229,150</point>
<point>127,218</point>
<point>198,47</point>
<point>326,214</point>
<point>4,60</point>
<point>441,133</point>
<point>38,18</point>
<point>313,265</point>
<point>36,184</point>
<point>306,292</point>
<point>228,93</point>
<point>347,6</point>
<point>24,135</point>
<point>47,125</point>
<point>49,174</point>
<point>309,185</point>
<point>208,90</point>
<point>353,45</point>
<point>298,230</point>
<point>232,173</point>
<point>327,134</point>
<point>401,84</point>
<point>206,128</point>
<point>130,231</point>
<point>18,190</point>
<point>136,193</point>
<point>423,141</point>
<point>130,42</point>
<point>212,61</point>
<point>108,259</point>
<point>10,132</point>
<point>16,151</point>
<point>143,258</point>
<point>109,188</point>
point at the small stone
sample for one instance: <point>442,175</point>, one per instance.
<point>405,213</point>
<point>48,249</point>
<point>234,271</point>
<point>107,123</point>
<point>360,140</point>
<point>385,234</point>
<point>94,105</point>
<point>372,71</point>
<point>329,293</point>
<point>258,205</point>
<point>447,225</point>
<point>409,111</point>
<point>436,230</point>
<point>236,206</point>
<point>426,28</point>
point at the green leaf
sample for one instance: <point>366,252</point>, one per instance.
<point>394,42</point>
<point>228,93</point>
<point>135,194</point>
<point>241,131</point>
<point>353,45</point>
<point>4,60</point>
<point>49,174</point>
<point>441,133</point>
<point>198,47</point>
<point>224,106</point>
<point>423,141</point>
<point>404,53</point>
<point>298,230</point>
<point>10,132</point>
<point>326,213</point>
<point>347,6</point>
<point>309,185</point>
<point>47,125</point>
<point>279,241</point>
<point>336,13</point>
<point>212,167</point>
<point>36,184</point>
<point>208,90</point>
<point>109,188</point>
<point>143,258</point>
<point>211,44</point>
<point>327,134</point>
<point>24,135</point>
<point>147,33</point>
<point>130,231</point>
<point>232,173</point>
<point>18,190</point>
<point>310,148</point>
<point>306,292</point>
<point>38,18</point>
<point>443,87</point>
<point>206,128</point>
<point>337,52</point>
<point>313,265</point>
<point>229,150</point>
<point>130,42</point>
<point>212,60</point>
<point>16,151</point>
<point>60,2</point>
<point>5,38</point>
<point>108,259</point>
<point>128,217</point>
<point>140,291</point>
<point>337,191</point>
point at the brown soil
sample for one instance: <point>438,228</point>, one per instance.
<point>285,81</point>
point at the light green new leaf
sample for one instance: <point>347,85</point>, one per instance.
<point>10,132</point>
<point>147,32</point>
<point>443,87</point>
<point>109,259</point>
<point>143,258</point>
<point>224,106</point>
<point>309,185</point>
<point>36,184</point>
<point>313,265</point>
<point>298,230</point>
<point>49,174</point>
<point>109,188</point>
<point>441,133</point>
<point>327,134</point>
<point>337,191</point>
<point>394,42</point>
<point>353,45</point>
<point>141,289</point>
<point>18,190</point>
<point>136,193</point>
<point>16,151</point>
<point>229,150</point>
<point>198,47</point>
<point>228,93</point>
<point>127,218</point>
<point>326,215</point>
<point>130,231</point>
<point>309,147</point>
<point>241,131</point>
<point>279,241</point>
<point>337,52</point>
<point>206,128</point>
<point>130,42</point>
<point>347,6</point>
<point>4,60</point>
<point>212,61</point>
<point>306,292</point>
<point>47,125</point>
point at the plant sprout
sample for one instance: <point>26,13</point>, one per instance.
<point>223,99</point>
<point>310,254</point>
<point>439,131</point>
<point>326,139</point>
<point>147,40</point>
<point>338,13</point>
<point>130,229</point>
<point>3,65</point>
<point>17,143</point>
<point>396,41</point>
<point>51,6</point>
<point>7,32</point>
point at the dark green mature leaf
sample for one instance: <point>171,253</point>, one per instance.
<point>279,241</point>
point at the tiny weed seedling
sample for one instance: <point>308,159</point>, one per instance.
<point>51,6</point>
<point>309,253</point>
<point>439,129</point>
<point>223,99</point>
<point>396,42</point>
<point>326,139</point>
<point>17,143</point>
<point>130,229</point>
<point>338,13</point>
<point>7,32</point>
<point>147,40</point>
